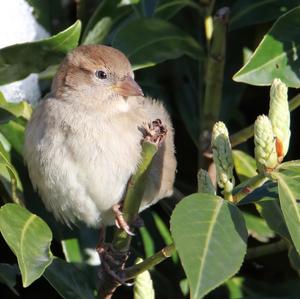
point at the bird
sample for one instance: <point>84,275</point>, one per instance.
<point>83,141</point>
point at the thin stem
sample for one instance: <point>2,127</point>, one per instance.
<point>133,197</point>
<point>150,262</point>
<point>243,189</point>
<point>214,81</point>
<point>267,249</point>
<point>246,133</point>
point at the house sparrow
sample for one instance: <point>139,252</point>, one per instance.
<point>83,142</point>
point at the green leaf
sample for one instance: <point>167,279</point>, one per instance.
<point>147,42</point>
<point>271,212</point>
<point>168,9</point>
<point>107,8</point>
<point>18,61</point>
<point>99,32</point>
<point>8,276</point>
<point>258,228</point>
<point>277,56</point>
<point>245,165</point>
<point>72,251</point>
<point>14,133</point>
<point>68,280</point>
<point>143,285</point>
<point>211,239</point>
<point>165,234</point>
<point>294,258</point>
<point>250,12</point>
<point>289,194</point>
<point>148,243</point>
<point>29,237</point>
<point>9,174</point>
<point>21,109</point>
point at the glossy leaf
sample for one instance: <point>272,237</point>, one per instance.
<point>143,285</point>
<point>107,8</point>
<point>8,276</point>
<point>258,228</point>
<point>267,191</point>
<point>29,238</point>
<point>271,212</point>
<point>68,280</point>
<point>21,109</point>
<point>168,9</point>
<point>9,176</point>
<point>18,61</point>
<point>13,131</point>
<point>210,236</point>
<point>250,12</point>
<point>165,233</point>
<point>277,56</point>
<point>99,32</point>
<point>71,250</point>
<point>138,39</point>
<point>244,164</point>
<point>289,194</point>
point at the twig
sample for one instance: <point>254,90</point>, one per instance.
<point>246,187</point>
<point>150,262</point>
<point>116,253</point>
<point>134,195</point>
<point>214,81</point>
<point>246,133</point>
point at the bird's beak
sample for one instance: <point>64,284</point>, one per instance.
<point>128,87</point>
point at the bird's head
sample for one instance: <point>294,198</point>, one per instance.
<point>96,71</point>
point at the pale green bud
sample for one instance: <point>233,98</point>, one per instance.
<point>205,184</point>
<point>279,115</point>
<point>222,155</point>
<point>143,286</point>
<point>264,140</point>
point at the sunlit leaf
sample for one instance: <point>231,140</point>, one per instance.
<point>99,32</point>
<point>244,164</point>
<point>71,250</point>
<point>29,238</point>
<point>21,109</point>
<point>211,239</point>
<point>14,133</point>
<point>289,195</point>
<point>277,56</point>
<point>18,61</point>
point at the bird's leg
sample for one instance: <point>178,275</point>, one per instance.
<point>101,241</point>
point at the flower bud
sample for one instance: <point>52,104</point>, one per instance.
<point>143,286</point>
<point>279,115</point>
<point>205,184</point>
<point>222,155</point>
<point>265,147</point>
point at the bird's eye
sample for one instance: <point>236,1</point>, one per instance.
<point>101,75</point>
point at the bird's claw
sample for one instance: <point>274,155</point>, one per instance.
<point>155,132</point>
<point>120,221</point>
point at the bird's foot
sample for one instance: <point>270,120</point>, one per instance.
<point>121,222</point>
<point>113,263</point>
<point>155,132</point>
